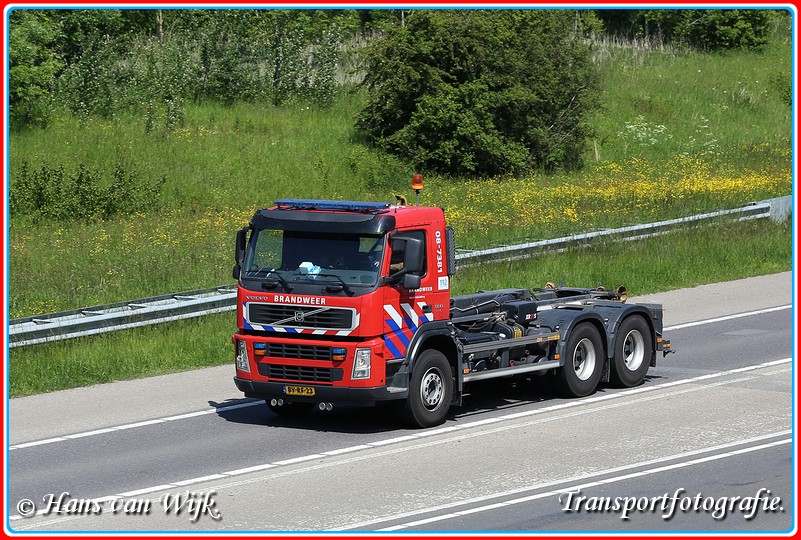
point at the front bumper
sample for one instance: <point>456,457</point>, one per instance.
<point>331,394</point>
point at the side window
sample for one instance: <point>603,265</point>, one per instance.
<point>396,261</point>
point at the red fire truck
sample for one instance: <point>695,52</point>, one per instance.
<point>343,302</point>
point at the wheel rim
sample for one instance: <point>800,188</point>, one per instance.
<point>432,389</point>
<point>633,350</point>
<point>584,359</point>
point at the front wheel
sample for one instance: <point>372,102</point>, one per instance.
<point>584,361</point>
<point>633,348</point>
<point>430,390</point>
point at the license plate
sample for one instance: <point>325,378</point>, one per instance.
<point>298,390</point>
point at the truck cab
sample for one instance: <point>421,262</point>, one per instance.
<point>349,302</point>
<point>330,295</point>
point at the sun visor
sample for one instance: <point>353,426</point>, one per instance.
<point>323,222</point>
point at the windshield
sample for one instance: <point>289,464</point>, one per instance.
<point>309,257</point>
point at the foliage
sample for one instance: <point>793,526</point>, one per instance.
<point>782,83</point>
<point>51,193</point>
<point>480,92</point>
<point>152,62</point>
<point>707,29</point>
<point>375,170</point>
<point>81,29</point>
<point>33,66</point>
<point>258,55</point>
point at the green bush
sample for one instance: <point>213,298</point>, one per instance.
<point>706,29</point>
<point>151,62</point>
<point>52,193</point>
<point>378,171</point>
<point>33,66</point>
<point>782,83</point>
<point>481,92</point>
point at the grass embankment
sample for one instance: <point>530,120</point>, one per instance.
<point>681,259</point>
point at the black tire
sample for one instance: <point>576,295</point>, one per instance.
<point>291,409</point>
<point>430,390</point>
<point>584,362</point>
<point>633,349</point>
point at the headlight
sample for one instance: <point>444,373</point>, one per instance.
<point>242,361</point>
<point>361,364</point>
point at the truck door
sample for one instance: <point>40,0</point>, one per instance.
<point>405,310</point>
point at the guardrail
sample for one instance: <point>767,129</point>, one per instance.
<point>119,316</point>
<point>185,305</point>
<point>777,209</point>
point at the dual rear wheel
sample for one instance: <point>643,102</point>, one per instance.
<point>584,362</point>
<point>633,349</point>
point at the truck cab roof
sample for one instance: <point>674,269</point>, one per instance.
<point>309,215</point>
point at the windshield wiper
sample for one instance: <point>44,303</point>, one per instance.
<point>265,284</point>
<point>347,289</point>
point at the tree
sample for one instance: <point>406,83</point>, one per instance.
<point>706,29</point>
<point>32,68</point>
<point>481,92</point>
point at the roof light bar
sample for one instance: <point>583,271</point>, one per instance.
<point>343,206</point>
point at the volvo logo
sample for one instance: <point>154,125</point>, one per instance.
<point>299,316</point>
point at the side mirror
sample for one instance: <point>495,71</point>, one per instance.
<point>239,254</point>
<point>413,255</point>
<point>411,281</point>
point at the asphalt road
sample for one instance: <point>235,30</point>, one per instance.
<point>706,444</point>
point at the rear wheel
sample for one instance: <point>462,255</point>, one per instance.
<point>584,360</point>
<point>633,348</point>
<point>430,390</point>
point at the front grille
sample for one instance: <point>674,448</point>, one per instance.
<point>300,316</point>
<point>300,373</point>
<point>305,352</point>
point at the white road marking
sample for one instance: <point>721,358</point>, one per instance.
<point>143,491</point>
<point>141,424</point>
<point>124,427</point>
<point>37,443</point>
<point>300,459</point>
<point>393,440</point>
<point>484,432</point>
<point>247,470</point>
<point>199,480</point>
<point>726,318</point>
<point>89,433</point>
<point>346,450</point>
<point>583,486</point>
